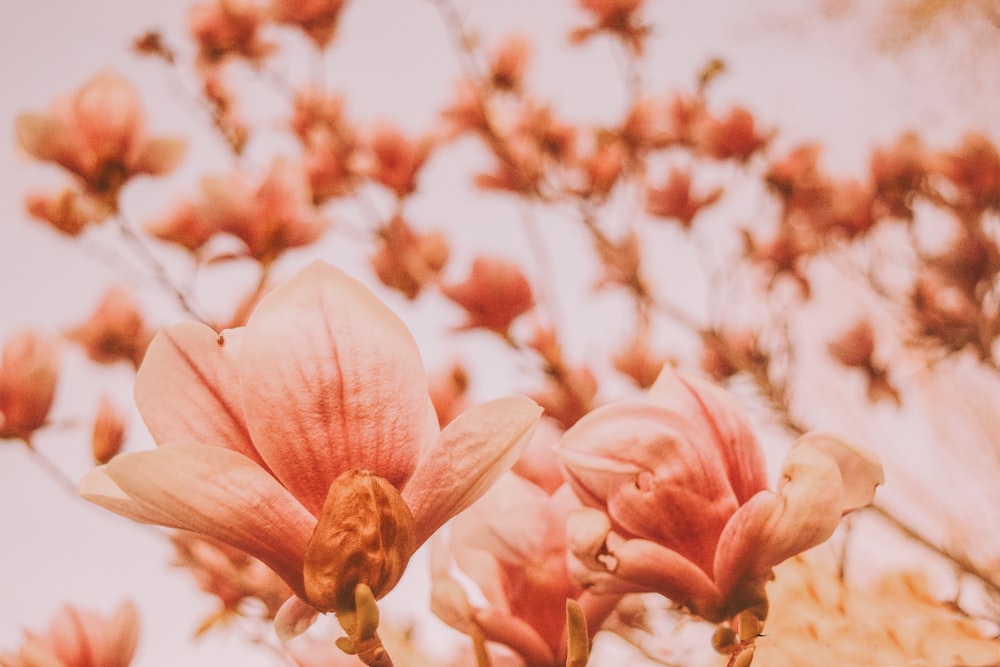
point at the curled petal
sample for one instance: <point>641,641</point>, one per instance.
<point>294,617</point>
<point>656,473</point>
<point>450,603</point>
<point>723,414</point>
<point>516,633</point>
<point>860,470</point>
<point>332,381</point>
<point>470,455</point>
<point>822,479</point>
<point>188,388</point>
<point>612,564</point>
<point>211,491</point>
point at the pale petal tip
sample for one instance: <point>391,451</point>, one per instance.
<point>860,468</point>
<point>294,617</point>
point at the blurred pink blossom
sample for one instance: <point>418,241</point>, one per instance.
<point>80,638</point>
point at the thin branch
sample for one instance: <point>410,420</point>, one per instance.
<point>49,468</point>
<point>963,563</point>
<point>159,271</point>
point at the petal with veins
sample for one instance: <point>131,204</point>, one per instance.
<point>823,478</point>
<point>332,381</point>
<point>188,388</point>
<point>655,471</point>
<point>212,491</point>
<point>473,451</point>
<point>734,437</point>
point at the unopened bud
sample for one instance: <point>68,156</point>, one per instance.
<point>365,535</point>
<point>109,432</point>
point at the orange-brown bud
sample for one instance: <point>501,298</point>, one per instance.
<point>365,535</point>
<point>109,432</point>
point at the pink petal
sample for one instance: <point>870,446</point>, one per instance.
<point>656,473</point>
<point>823,478</point>
<point>108,115</point>
<point>188,388</point>
<point>41,136</point>
<point>159,156</point>
<point>472,452</point>
<point>495,523</point>
<point>733,434</point>
<point>294,617</point>
<point>607,563</point>
<point>517,634</point>
<point>333,381</point>
<point>82,636</point>
<point>212,491</point>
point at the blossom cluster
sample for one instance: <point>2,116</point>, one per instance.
<point>302,453</point>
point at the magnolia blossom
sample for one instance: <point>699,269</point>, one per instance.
<point>512,544</point>
<point>99,134</point>
<point>307,439</point>
<point>115,331</point>
<point>28,375</point>
<point>494,294</point>
<point>317,18</point>
<point>269,217</point>
<point>677,500</point>
<point>80,638</point>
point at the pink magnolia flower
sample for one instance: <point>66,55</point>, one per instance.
<point>677,502</point>
<point>317,18</point>
<point>28,375</point>
<point>80,638</point>
<point>99,135</point>
<point>305,439</point>
<point>108,434</point>
<point>269,217</point>
<point>116,331</point>
<point>512,545</point>
<point>494,294</point>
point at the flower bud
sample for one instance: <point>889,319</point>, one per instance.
<point>109,432</point>
<point>365,535</point>
<point>28,376</point>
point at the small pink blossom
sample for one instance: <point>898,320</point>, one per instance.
<point>520,567</point>
<point>99,135</point>
<point>28,375</point>
<point>80,638</point>
<point>268,217</point>
<point>116,331</point>
<point>320,398</point>
<point>228,28</point>
<point>494,294</point>
<point>677,502</point>
<point>317,18</point>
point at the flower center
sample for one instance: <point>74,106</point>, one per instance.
<point>365,535</point>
